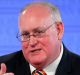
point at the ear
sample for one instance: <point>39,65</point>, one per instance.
<point>60,30</point>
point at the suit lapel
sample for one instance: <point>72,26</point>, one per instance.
<point>64,67</point>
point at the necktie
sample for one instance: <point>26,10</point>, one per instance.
<point>38,72</point>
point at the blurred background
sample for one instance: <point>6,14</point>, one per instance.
<point>9,12</point>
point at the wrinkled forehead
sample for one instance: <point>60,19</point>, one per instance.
<point>35,15</point>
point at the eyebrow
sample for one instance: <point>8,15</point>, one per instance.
<point>24,32</point>
<point>34,30</point>
<point>38,29</point>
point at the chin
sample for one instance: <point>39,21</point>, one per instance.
<point>38,63</point>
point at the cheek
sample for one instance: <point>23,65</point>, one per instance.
<point>24,45</point>
<point>49,44</point>
<point>24,48</point>
<point>46,45</point>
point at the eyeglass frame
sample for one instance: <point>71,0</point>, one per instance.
<point>27,39</point>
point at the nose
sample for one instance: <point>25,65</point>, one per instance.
<point>33,41</point>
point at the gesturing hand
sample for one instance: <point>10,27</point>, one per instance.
<point>3,70</point>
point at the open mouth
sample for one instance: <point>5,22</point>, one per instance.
<point>36,50</point>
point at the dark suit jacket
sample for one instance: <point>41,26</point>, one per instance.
<point>69,64</point>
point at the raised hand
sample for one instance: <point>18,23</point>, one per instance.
<point>3,70</point>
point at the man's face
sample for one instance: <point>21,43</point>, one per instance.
<point>40,51</point>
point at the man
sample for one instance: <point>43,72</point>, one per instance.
<point>41,31</point>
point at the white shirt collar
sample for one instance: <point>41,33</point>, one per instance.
<point>51,69</point>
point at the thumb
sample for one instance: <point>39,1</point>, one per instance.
<point>3,69</point>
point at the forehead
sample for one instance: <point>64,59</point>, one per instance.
<point>37,10</point>
<point>35,15</point>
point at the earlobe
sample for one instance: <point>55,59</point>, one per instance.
<point>60,30</point>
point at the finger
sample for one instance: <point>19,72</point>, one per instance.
<point>3,69</point>
<point>8,74</point>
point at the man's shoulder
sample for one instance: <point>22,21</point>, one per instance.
<point>10,56</point>
<point>73,59</point>
<point>75,63</point>
<point>69,64</point>
<point>73,56</point>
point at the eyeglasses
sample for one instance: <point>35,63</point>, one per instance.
<point>25,37</point>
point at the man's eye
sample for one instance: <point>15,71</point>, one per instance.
<point>40,31</point>
<point>25,34</point>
